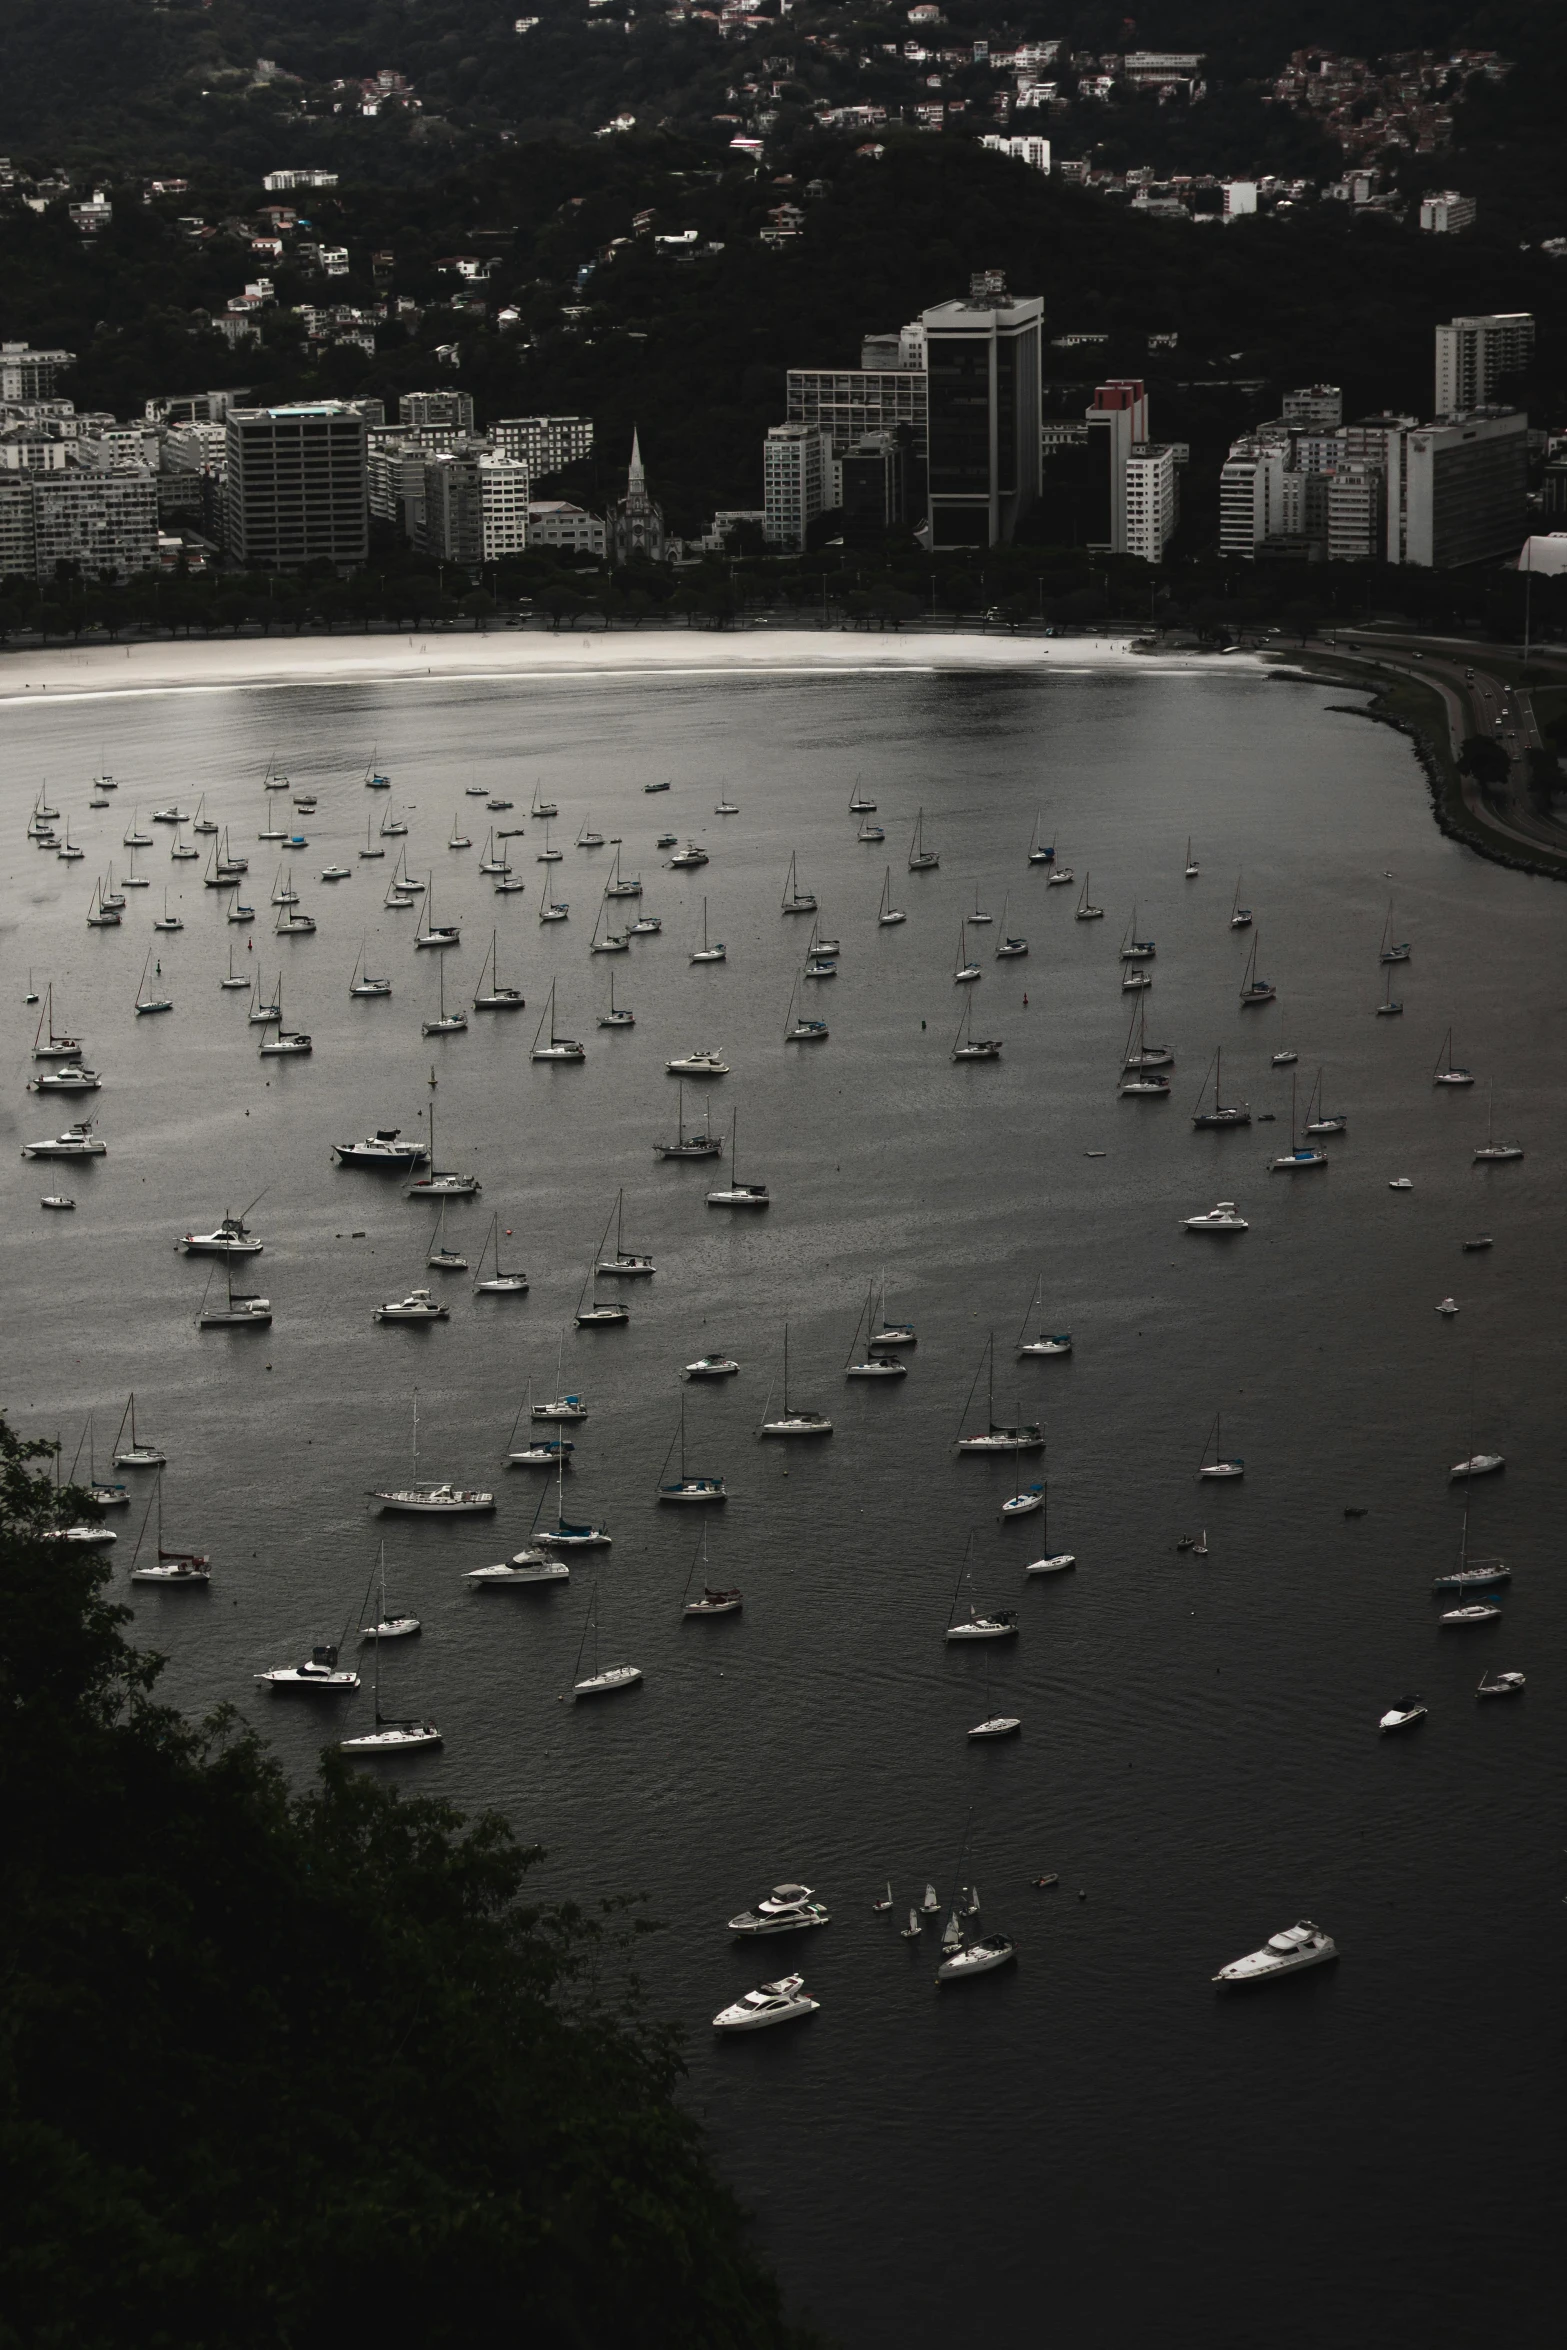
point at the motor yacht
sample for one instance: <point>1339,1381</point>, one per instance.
<point>687,859</point>
<point>77,1142</point>
<point>230,1238</point>
<point>998,1726</point>
<point>698,1064</point>
<point>788,1909</point>
<point>72,1078</point>
<point>1284,1953</point>
<point>1000,1624</point>
<point>524,1567</point>
<point>417,1306</point>
<point>322,1674</point>
<point>383,1151</point>
<point>1222,1218</point>
<point>783,2002</point>
<point>712,1367</point>
<point>440,1499</point>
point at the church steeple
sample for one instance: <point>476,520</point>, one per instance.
<point>636,480</point>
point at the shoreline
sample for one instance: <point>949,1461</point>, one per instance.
<point>70,672</point>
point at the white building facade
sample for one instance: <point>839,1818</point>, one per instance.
<point>797,482</point>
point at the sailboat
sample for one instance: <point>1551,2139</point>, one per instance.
<point>966,1046</point>
<point>795,899</point>
<point>135,838</point>
<point>1222,1464</point>
<point>172,1567</point>
<point>966,970</point>
<point>100,914</point>
<point>994,1725</point>
<point>134,880</point>
<point>361,984</point>
<point>598,1682</point>
<point>496,997</point>
<point>265,1015</point>
<point>456,839</point>
<point>1133,948</point>
<point>232,978</point>
<point>892,1334</point>
<point>392,1735</point>
<point>1084,912</point>
<point>542,808</point>
<point>793,1420</point>
<point>859,805</point>
<point>625,1260</point>
<point>704,1145</point>
<point>616,887</point>
<point>1298,1157</point>
<point>136,1454</point>
<point>706,952</point>
<point>1139,1076</point>
<point>494,861</point>
<point>445,1023</point>
<point>537,1452</point>
<point>687,1486</point>
<point>921,859</point>
<point>1040,852</point>
<point>1471,1574</point>
<point>1446,1071</point>
<point>617,1016</point>
<point>879,1360</point>
<point>571,1533</point>
<point>614,942</point>
<point>871,834</point>
<point>242,1309</point>
<point>1253,989</point>
<point>1240,916</point>
<point>435,934</point>
<point>1192,867</point>
<point>1047,1343</point>
<point>548,855</point>
<point>593,1312</point>
<point>1008,947</point>
<point>570,1410</point>
<point>287,1040</point>
<point>50,1044</point>
<point>1324,1122</point>
<point>499,1283</point>
<point>1392,950</point>
<point>1390,1006</point>
<point>1147,1056</point>
<point>154,1003</point>
<point>201,822</point>
<point>887,914</point>
<point>913,1930</point>
<point>722,1601</point>
<point>798,1029</point>
<point>552,909</point>
<point>439,1257</point>
<point>735,1194</point>
<point>422,1498</point>
<point>559,1048</point>
<point>997,1436</point>
<point>1051,1562</point>
<point>370,850</point>
<point>999,1624</point>
<point>589,837</point>
<point>1491,1152</point>
<point>391,826</point>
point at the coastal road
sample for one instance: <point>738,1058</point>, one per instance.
<point>1478,700</point>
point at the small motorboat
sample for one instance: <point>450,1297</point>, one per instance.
<point>783,2002</point>
<point>1044,1883</point>
<point>1502,1685</point>
<point>1403,1716</point>
<point>1400,1183</point>
<point>714,1603</point>
<point>1222,1218</point>
<point>1479,1241</point>
<point>1447,1305</point>
<point>417,1306</point>
<point>1285,1060</point>
<point>712,1367</point>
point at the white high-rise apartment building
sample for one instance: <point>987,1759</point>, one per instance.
<point>1444,212</point>
<point>105,522</point>
<point>545,444</point>
<point>1152,500</point>
<point>797,482</point>
<point>1357,513</point>
<point>1117,424</point>
<point>1251,495</point>
<point>503,506</point>
<point>1473,355</point>
<point>1466,489</point>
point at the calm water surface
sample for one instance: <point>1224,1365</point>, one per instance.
<point>1091,2141</point>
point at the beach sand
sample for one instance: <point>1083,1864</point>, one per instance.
<point>217,664</point>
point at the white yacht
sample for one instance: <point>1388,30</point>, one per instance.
<point>1000,1624</point>
<point>1403,1716</point>
<point>1222,1218</point>
<point>230,1238</point>
<point>997,1726</point>
<point>1023,1503</point>
<point>979,1957</point>
<point>1502,1685</point>
<point>1479,1464</point>
<point>72,1078</point>
<point>421,1498</point>
<point>136,1454</point>
<point>698,1064</point>
<point>1284,1953</point>
<point>1057,1564</point>
<point>524,1567</point>
<point>417,1306</point>
<point>788,1909</point>
<point>783,2002</point>
<point>792,1420</point>
<point>734,1193</point>
<point>389,1738</point>
<point>382,1150</point>
<point>712,1367</point>
<point>77,1142</point>
<point>322,1674</point>
<point>1474,1611</point>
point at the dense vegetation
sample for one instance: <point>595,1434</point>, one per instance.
<point>281,2068</point>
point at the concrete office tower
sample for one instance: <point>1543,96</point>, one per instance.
<point>1117,424</point>
<point>418,411</point>
<point>1152,500</point>
<point>1466,489</point>
<point>982,366</point>
<point>872,488</point>
<point>1473,355</point>
<point>1316,408</point>
<point>887,391</point>
<point>798,482</point>
<point>296,486</point>
<point>545,444</point>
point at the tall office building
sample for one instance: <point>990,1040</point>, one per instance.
<point>295,486</point>
<point>1466,489</point>
<point>982,365</point>
<point>798,482</point>
<point>849,402</point>
<point>1117,424</point>
<point>1473,355</point>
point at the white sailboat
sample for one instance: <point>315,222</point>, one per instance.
<point>617,1016</point>
<point>1491,1152</point>
<point>559,1048</point>
<point>998,1624</point>
<point>879,1361</point>
<point>599,1680</point>
<point>1085,912</point>
<point>966,1046</point>
<point>362,984</point>
<point>592,1311</point>
<point>625,1260</point>
<point>445,1023</point>
<point>287,1041</point>
<point>1046,1342</point>
<point>713,1600</point>
<point>704,1145</point>
<point>966,970</point>
<point>1253,989</point>
<point>997,1436</point>
<point>712,951</point>
<point>734,1193</point>
<point>171,1568</point>
<point>887,914</point>
<point>795,899</point>
<point>1223,1464</point>
<point>793,1420</point>
<point>921,859</point>
<point>688,1486</point>
<point>497,997</point>
<point>499,1283</point>
<point>422,1497</point>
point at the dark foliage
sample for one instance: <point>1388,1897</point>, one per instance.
<point>282,2068</point>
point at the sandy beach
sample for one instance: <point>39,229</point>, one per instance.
<point>211,665</point>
